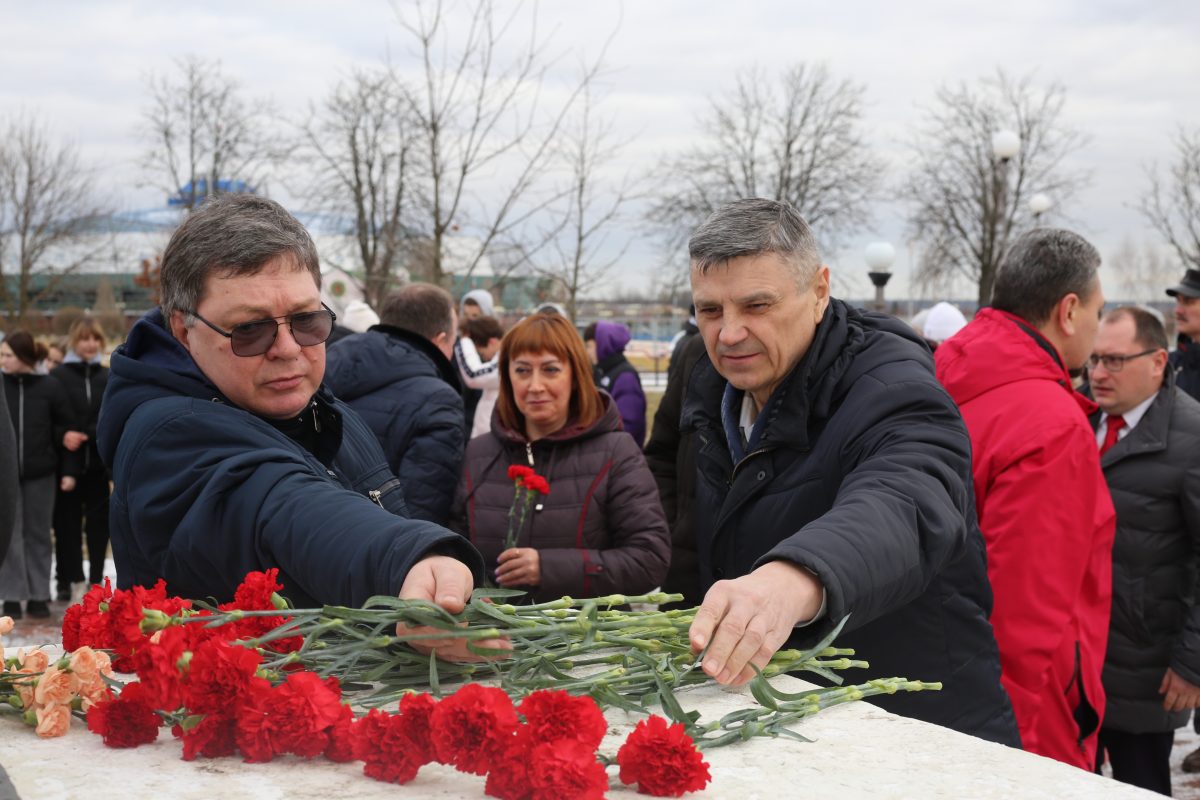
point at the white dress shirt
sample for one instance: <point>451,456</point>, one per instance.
<point>1132,417</point>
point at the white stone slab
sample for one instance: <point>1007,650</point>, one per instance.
<point>858,751</point>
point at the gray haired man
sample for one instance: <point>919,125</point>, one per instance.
<point>833,479</point>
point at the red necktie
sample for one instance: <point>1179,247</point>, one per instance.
<point>1110,436</point>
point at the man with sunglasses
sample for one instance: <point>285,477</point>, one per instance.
<point>1043,506</point>
<point>1148,435</point>
<point>227,453</point>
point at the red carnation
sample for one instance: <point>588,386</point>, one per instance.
<point>214,737</point>
<point>257,592</point>
<point>125,721</point>
<point>293,717</point>
<point>93,623</point>
<point>341,739</point>
<point>553,714</point>
<point>662,759</point>
<point>517,472</point>
<point>156,663</point>
<point>473,727</point>
<point>70,628</point>
<point>536,483</point>
<point>124,618</point>
<point>508,778</point>
<point>379,740</point>
<point>566,768</point>
<point>219,675</point>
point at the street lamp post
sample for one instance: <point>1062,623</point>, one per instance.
<point>1039,204</point>
<point>879,257</point>
<point>1005,146</point>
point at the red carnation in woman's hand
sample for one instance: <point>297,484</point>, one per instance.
<point>517,472</point>
<point>473,727</point>
<point>553,714</point>
<point>536,483</point>
<point>662,759</point>
<point>127,720</point>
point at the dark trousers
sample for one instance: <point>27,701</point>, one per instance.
<point>88,502</point>
<point>1139,759</point>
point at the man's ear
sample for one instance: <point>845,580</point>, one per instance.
<point>821,287</point>
<point>1066,313</point>
<point>179,330</point>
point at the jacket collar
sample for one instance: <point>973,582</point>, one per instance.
<point>1151,433</point>
<point>446,370</point>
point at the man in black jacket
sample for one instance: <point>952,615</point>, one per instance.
<point>1185,360</point>
<point>833,478</point>
<point>399,377</point>
<point>227,453</point>
<point>1148,432</point>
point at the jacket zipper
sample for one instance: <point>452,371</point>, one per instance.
<point>745,458</point>
<point>529,452</point>
<point>377,494</point>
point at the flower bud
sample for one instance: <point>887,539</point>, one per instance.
<point>154,620</point>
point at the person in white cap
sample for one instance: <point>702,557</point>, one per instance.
<point>943,321</point>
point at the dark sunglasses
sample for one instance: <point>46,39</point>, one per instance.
<point>254,338</point>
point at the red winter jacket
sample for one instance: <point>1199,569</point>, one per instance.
<point>1048,521</point>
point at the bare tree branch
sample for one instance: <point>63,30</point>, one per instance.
<point>967,205</point>
<point>1173,207</point>
<point>486,140</point>
<point>359,146</point>
<point>800,141</point>
<point>202,132</point>
<point>48,216</point>
<point>582,257</point>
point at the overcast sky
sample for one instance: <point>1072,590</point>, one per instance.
<point>1131,71</point>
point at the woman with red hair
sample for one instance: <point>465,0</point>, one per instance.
<point>600,529</point>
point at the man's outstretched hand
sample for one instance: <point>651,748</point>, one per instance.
<point>744,621</point>
<point>447,582</point>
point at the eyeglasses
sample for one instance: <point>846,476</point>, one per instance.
<point>1116,363</point>
<point>254,338</point>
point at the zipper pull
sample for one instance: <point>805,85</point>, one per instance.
<point>317,420</point>
<point>375,494</point>
<point>529,452</point>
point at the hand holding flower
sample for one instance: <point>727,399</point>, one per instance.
<point>519,566</point>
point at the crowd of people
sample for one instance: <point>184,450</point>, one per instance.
<point>1009,505</point>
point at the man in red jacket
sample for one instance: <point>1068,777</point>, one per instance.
<point>1043,505</point>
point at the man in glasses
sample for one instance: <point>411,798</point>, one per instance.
<point>1043,506</point>
<point>1148,435</point>
<point>226,452</point>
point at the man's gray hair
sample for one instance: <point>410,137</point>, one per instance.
<point>751,227</point>
<point>1040,269</point>
<point>422,308</point>
<point>229,236</point>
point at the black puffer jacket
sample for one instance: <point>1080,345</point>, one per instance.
<point>860,470</point>
<point>85,384</point>
<point>409,394</point>
<point>40,414</point>
<point>600,530</point>
<point>1154,476</point>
